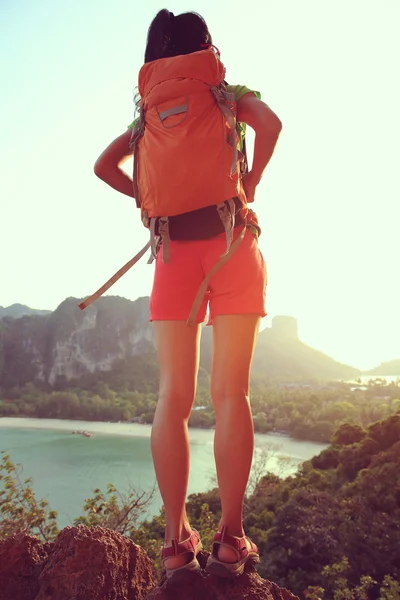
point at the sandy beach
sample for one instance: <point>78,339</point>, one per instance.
<point>130,429</point>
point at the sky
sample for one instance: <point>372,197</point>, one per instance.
<point>329,202</point>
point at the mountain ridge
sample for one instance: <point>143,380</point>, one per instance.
<point>69,343</point>
<point>387,368</point>
<point>17,310</point>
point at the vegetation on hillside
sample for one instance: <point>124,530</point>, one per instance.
<point>307,413</point>
<point>330,531</point>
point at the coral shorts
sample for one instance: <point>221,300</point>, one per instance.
<point>238,288</point>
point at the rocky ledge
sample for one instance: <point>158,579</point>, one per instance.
<point>100,564</point>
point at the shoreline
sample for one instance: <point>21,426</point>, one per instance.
<point>67,425</point>
<point>197,434</point>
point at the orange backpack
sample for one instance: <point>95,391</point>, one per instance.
<point>185,141</point>
<point>185,151</point>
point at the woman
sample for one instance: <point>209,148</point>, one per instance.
<point>235,297</point>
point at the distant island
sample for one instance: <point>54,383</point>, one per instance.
<point>386,369</point>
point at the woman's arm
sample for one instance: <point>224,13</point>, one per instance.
<point>267,127</point>
<point>108,165</point>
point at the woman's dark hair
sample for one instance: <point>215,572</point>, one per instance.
<point>170,36</point>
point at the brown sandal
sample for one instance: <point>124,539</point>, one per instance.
<point>191,546</point>
<point>240,547</point>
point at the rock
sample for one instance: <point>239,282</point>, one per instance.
<point>249,586</point>
<point>95,563</point>
<point>22,558</point>
<point>99,564</point>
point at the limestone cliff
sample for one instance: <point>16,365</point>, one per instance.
<point>69,344</point>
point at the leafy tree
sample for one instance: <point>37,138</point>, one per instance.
<point>347,434</point>
<point>115,510</point>
<point>20,511</point>
<point>327,459</point>
<point>386,432</point>
<point>338,586</point>
<point>150,536</point>
<point>263,455</point>
<point>390,589</point>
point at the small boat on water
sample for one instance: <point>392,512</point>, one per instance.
<point>85,433</point>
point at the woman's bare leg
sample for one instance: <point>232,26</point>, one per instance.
<point>234,341</point>
<point>178,355</point>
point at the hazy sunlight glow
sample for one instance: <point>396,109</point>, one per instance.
<point>329,203</point>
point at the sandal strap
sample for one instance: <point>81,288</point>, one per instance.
<point>223,538</point>
<point>184,547</point>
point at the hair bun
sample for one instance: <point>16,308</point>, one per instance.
<point>171,35</point>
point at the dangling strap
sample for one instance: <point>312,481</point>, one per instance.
<point>163,230</point>
<point>114,278</point>
<point>203,288</point>
<point>226,211</point>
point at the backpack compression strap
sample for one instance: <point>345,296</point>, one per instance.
<point>162,237</point>
<point>226,211</point>
<point>224,100</point>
